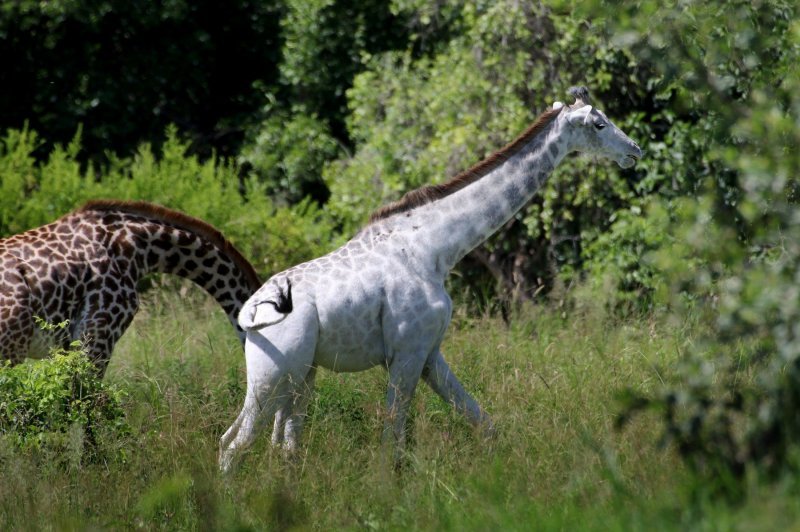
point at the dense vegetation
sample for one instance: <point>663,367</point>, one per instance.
<point>345,105</point>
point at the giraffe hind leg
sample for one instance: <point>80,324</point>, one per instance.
<point>290,417</point>
<point>278,427</point>
<point>279,358</point>
<point>16,330</point>
<point>294,424</point>
<point>259,408</point>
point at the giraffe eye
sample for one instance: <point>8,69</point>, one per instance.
<point>599,125</point>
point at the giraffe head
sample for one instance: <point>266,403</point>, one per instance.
<point>590,131</point>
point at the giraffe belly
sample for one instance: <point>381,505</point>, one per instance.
<point>349,348</point>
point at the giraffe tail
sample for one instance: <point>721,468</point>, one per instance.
<point>268,306</point>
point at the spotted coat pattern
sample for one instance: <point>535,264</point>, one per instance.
<point>380,299</point>
<point>85,266</point>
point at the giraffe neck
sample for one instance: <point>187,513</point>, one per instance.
<point>449,228</point>
<point>147,244</point>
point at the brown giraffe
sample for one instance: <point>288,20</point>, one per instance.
<point>84,267</point>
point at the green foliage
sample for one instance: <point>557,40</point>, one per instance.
<point>127,70</point>
<point>60,404</point>
<point>272,237</point>
<point>421,119</point>
<point>726,424</point>
<point>620,262</point>
<point>18,169</point>
<point>288,154</point>
<point>735,256</point>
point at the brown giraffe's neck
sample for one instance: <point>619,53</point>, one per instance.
<point>159,240</point>
<point>83,269</point>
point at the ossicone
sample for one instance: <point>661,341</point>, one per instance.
<point>581,95</point>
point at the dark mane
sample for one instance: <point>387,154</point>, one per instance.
<point>183,221</point>
<point>430,193</point>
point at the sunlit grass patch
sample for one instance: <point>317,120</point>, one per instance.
<point>549,382</point>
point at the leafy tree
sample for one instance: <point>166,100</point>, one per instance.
<point>324,44</point>
<point>734,256</point>
<point>303,125</point>
<point>417,119</point>
<point>126,70</point>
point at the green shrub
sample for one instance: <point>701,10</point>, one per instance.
<point>619,261</point>
<point>733,256</point>
<point>288,153</point>
<point>271,237</point>
<point>60,404</point>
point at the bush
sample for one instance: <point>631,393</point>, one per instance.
<point>60,404</point>
<point>287,156</point>
<point>272,237</point>
<point>734,255</point>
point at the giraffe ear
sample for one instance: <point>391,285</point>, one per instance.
<point>580,115</point>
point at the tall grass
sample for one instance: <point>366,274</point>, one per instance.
<point>556,463</point>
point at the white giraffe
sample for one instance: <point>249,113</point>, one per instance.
<point>380,300</point>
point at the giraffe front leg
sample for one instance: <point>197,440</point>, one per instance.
<point>404,374</point>
<point>98,335</point>
<point>440,378</point>
<point>101,328</point>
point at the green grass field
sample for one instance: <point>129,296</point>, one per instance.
<point>557,462</point>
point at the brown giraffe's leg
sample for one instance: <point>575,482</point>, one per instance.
<point>101,328</point>
<point>16,330</point>
<point>16,318</point>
